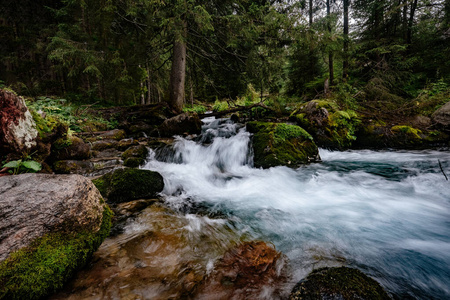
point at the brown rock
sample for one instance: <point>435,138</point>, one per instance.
<point>32,205</point>
<point>75,148</point>
<point>184,123</point>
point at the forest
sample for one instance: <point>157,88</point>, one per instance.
<point>122,52</point>
<point>224,149</point>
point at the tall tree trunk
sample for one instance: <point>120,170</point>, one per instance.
<point>405,20</point>
<point>345,64</point>
<point>447,14</point>
<point>178,72</point>
<point>310,12</point>
<point>330,53</point>
<point>411,22</point>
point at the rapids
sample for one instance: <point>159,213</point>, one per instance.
<point>386,213</point>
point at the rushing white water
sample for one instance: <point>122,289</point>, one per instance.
<point>386,213</point>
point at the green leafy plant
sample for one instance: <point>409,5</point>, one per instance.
<point>20,166</point>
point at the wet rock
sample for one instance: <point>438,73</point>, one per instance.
<point>330,126</point>
<point>126,143</point>
<point>421,122</point>
<point>70,148</point>
<point>442,116</point>
<point>73,167</point>
<point>104,144</point>
<point>338,284</point>
<point>17,128</point>
<point>162,255</point>
<point>116,134</point>
<point>252,270</point>
<point>124,185</point>
<point>279,144</point>
<point>135,156</point>
<point>32,205</point>
<point>186,123</point>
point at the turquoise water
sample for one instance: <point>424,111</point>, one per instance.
<point>386,213</point>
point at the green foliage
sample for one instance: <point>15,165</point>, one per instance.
<point>43,267</point>
<point>220,106</point>
<point>20,166</point>
<point>199,109</point>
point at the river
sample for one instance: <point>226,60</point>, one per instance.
<point>386,213</point>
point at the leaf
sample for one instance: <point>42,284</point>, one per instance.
<point>32,165</point>
<point>13,164</point>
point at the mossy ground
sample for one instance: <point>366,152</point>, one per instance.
<point>338,283</point>
<point>42,268</point>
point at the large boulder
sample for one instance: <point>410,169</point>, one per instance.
<point>124,185</point>
<point>49,227</point>
<point>442,116</point>
<point>279,144</point>
<point>18,131</point>
<point>183,123</point>
<point>330,126</point>
<point>338,284</point>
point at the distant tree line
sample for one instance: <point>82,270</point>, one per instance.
<point>147,51</point>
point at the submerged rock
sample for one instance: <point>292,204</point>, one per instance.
<point>279,144</point>
<point>18,131</point>
<point>50,226</point>
<point>338,284</point>
<point>124,185</point>
<point>251,270</point>
<point>162,255</point>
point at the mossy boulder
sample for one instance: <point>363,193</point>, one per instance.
<point>50,227</point>
<point>279,144</point>
<point>377,135</point>
<point>338,284</point>
<point>123,185</point>
<point>330,126</point>
<point>135,156</point>
<point>70,147</point>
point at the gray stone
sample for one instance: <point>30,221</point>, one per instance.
<point>32,205</point>
<point>442,115</point>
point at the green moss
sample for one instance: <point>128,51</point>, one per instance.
<point>281,144</point>
<point>42,268</point>
<point>44,126</point>
<point>285,132</point>
<point>133,162</point>
<point>338,283</point>
<point>129,184</point>
<point>408,131</point>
